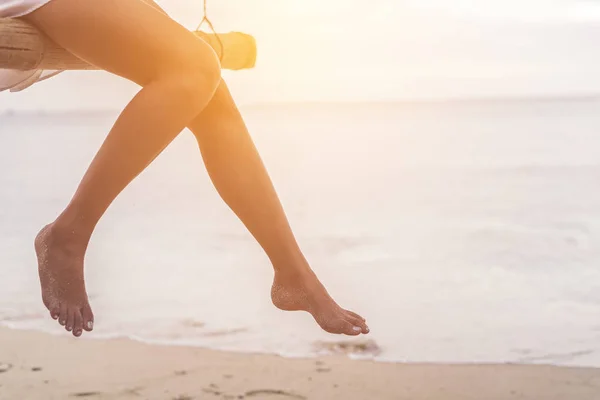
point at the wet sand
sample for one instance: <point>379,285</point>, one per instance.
<point>36,365</point>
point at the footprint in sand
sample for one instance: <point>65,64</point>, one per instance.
<point>273,392</point>
<point>181,372</point>
<point>85,394</point>
<point>5,368</point>
<point>212,391</point>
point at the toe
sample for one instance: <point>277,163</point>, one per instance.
<point>88,318</point>
<point>63,314</point>
<point>341,326</point>
<point>77,323</point>
<point>54,311</point>
<point>70,319</point>
<point>356,322</point>
<point>355,315</point>
<point>350,329</point>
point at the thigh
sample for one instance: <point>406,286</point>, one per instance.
<point>129,38</point>
<point>155,5</point>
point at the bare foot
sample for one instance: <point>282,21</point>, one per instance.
<point>304,292</point>
<point>60,265</point>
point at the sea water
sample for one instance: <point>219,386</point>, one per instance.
<point>463,231</point>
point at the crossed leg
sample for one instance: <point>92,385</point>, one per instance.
<point>179,74</point>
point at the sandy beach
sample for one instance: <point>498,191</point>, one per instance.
<point>41,366</point>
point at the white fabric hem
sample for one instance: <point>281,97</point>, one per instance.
<point>15,80</point>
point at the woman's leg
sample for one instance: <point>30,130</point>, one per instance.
<point>239,176</point>
<point>241,179</point>
<point>179,74</point>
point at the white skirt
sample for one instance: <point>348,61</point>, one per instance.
<point>15,80</point>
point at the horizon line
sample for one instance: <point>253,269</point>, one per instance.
<point>416,100</point>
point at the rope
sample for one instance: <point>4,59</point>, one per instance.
<point>210,25</point>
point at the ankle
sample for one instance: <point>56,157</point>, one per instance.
<point>292,267</point>
<point>70,232</point>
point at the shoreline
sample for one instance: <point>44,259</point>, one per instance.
<point>574,96</point>
<point>36,365</point>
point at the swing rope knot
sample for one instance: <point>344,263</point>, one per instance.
<point>210,25</point>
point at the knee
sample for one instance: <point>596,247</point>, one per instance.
<point>202,71</point>
<point>194,76</point>
<point>221,111</point>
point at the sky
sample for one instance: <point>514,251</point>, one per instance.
<point>377,50</point>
